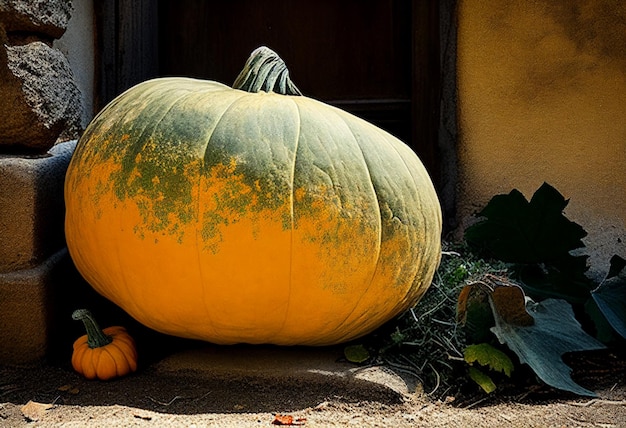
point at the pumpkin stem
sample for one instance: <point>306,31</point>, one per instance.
<point>265,71</point>
<point>95,336</point>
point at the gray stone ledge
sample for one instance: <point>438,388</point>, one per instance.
<point>32,207</point>
<point>25,312</point>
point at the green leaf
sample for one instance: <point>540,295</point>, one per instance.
<point>537,237</point>
<point>488,356</point>
<point>554,333</point>
<point>503,233</point>
<point>474,313</point>
<point>483,380</point>
<point>519,231</point>
<point>567,281</point>
<point>610,296</point>
<point>356,353</point>
<point>604,332</point>
<point>478,321</point>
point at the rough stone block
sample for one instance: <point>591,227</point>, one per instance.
<point>38,98</point>
<point>25,311</point>
<point>48,17</point>
<point>31,207</point>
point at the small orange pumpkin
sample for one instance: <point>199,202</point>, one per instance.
<point>103,354</point>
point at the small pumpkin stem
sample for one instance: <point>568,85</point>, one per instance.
<point>95,336</point>
<point>265,71</point>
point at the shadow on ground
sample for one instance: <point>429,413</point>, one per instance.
<point>213,379</point>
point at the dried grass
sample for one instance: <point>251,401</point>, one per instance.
<point>427,342</point>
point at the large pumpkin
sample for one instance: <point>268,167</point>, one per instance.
<point>232,216</point>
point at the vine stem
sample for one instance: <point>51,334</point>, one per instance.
<point>95,336</point>
<point>265,71</point>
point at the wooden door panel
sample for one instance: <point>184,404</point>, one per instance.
<point>378,59</point>
<point>355,54</point>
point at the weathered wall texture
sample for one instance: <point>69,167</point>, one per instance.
<point>77,44</point>
<point>542,97</point>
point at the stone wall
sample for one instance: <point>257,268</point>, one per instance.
<point>39,106</point>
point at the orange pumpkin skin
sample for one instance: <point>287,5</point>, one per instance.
<point>113,360</point>
<point>212,213</point>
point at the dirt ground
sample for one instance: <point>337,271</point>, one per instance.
<point>184,395</point>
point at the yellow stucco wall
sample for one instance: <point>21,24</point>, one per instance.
<point>542,97</point>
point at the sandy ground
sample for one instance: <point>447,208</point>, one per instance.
<point>247,387</point>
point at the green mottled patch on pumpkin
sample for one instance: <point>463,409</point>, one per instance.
<point>165,167</point>
<point>160,179</point>
<point>237,191</point>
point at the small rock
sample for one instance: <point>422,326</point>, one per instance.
<point>34,411</point>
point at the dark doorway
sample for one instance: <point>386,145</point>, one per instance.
<point>378,59</point>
